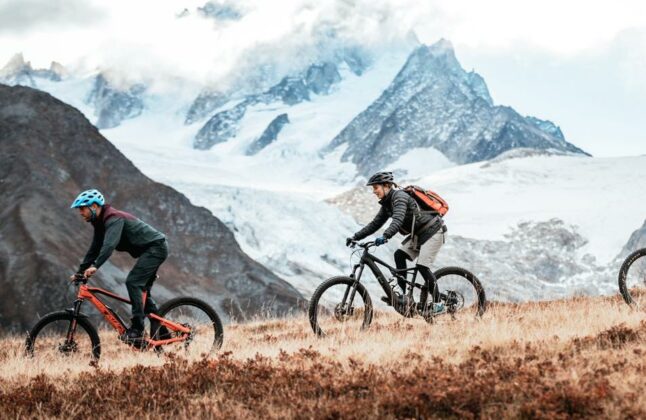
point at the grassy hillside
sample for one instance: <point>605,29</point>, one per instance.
<point>579,357</point>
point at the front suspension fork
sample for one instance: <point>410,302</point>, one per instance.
<point>71,330</point>
<point>352,289</point>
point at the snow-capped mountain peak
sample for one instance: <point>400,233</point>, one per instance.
<point>17,71</point>
<point>434,102</point>
<point>317,79</point>
<point>15,66</point>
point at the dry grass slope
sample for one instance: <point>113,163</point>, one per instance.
<point>572,358</point>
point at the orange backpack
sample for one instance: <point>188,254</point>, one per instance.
<point>427,199</point>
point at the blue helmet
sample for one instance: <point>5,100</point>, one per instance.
<point>87,198</point>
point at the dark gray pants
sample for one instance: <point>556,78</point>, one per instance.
<point>141,279</point>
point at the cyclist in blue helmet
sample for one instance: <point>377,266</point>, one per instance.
<point>86,199</point>
<point>115,229</point>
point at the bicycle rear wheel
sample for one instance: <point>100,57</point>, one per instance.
<point>207,332</point>
<point>49,339</point>
<point>460,292</point>
<point>632,279</point>
<point>340,305</point>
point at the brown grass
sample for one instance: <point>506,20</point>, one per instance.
<point>573,358</point>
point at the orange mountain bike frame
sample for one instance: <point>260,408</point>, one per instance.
<point>89,293</point>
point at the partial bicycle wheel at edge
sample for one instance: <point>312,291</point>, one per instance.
<point>328,313</point>
<point>632,279</point>
<point>461,291</point>
<point>206,326</point>
<point>48,338</point>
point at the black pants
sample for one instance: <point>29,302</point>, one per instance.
<point>400,263</point>
<point>141,279</point>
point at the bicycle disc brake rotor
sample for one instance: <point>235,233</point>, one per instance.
<point>342,312</point>
<point>67,348</point>
<point>454,301</point>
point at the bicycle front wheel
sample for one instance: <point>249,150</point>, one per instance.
<point>52,339</point>
<point>340,305</point>
<point>206,328</point>
<point>632,279</point>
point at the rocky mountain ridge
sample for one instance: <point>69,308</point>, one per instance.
<point>291,90</point>
<point>433,102</point>
<point>48,153</point>
<point>17,71</point>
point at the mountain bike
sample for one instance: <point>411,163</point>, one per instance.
<point>183,325</point>
<point>632,279</point>
<point>342,304</point>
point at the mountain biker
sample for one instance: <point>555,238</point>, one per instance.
<point>423,240</point>
<point>115,229</point>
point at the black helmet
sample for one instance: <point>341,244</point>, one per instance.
<point>381,178</point>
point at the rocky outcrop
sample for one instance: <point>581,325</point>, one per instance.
<point>221,127</point>
<point>357,60</point>
<point>290,91</point>
<point>48,153</point>
<point>433,102</point>
<point>547,127</point>
<point>269,135</point>
<point>320,78</point>
<point>536,260</point>
<point>204,105</point>
<point>317,79</point>
<point>20,72</point>
<point>113,105</point>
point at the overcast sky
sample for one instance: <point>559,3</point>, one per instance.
<point>581,64</point>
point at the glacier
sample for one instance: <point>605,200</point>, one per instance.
<point>531,224</point>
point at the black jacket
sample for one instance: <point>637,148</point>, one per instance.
<point>401,207</point>
<point>115,229</point>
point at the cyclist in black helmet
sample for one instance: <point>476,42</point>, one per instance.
<point>423,240</point>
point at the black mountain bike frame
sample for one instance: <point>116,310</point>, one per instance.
<point>368,259</point>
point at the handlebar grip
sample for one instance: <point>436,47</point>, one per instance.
<point>80,278</point>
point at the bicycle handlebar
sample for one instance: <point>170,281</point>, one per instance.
<point>364,245</point>
<point>80,278</point>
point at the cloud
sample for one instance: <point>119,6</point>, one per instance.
<point>579,62</point>
<point>20,16</point>
<point>145,39</point>
<point>555,26</point>
<point>148,41</point>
